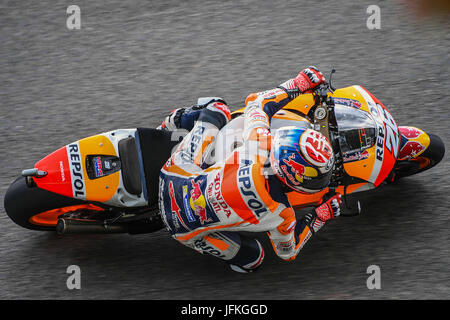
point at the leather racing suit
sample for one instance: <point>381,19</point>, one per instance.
<point>205,206</point>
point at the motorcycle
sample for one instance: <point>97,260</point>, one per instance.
<point>109,183</point>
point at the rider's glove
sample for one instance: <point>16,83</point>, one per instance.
<point>306,80</point>
<point>330,208</point>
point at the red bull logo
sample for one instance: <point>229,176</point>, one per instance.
<point>410,149</point>
<point>410,132</point>
<point>316,148</point>
<point>297,168</point>
<point>356,156</point>
<point>198,202</point>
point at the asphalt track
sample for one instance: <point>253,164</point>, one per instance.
<point>133,61</point>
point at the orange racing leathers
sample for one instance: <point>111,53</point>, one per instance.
<point>204,207</point>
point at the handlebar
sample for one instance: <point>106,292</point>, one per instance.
<point>322,89</point>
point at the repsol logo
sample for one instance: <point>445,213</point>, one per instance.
<point>188,153</point>
<point>204,247</point>
<point>76,171</point>
<point>246,188</point>
<point>380,142</point>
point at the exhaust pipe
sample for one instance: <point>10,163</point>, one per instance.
<point>70,226</point>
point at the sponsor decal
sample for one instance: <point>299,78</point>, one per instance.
<point>411,149</point>
<point>296,168</point>
<point>410,133</point>
<point>76,171</point>
<point>289,176</point>
<point>257,115</point>
<point>107,165</point>
<point>187,206</point>
<point>162,207</point>
<point>98,167</point>
<point>275,166</point>
<point>286,246</point>
<point>61,167</point>
<point>215,197</point>
<point>355,156</point>
<point>380,143</point>
<point>188,154</point>
<point>176,215</point>
<point>380,130</point>
<point>348,102</point>
<point>201,245</point>
<point>270,94</point>
<point>245,185</point>
<point>305,240</point>
<point>198,202</point>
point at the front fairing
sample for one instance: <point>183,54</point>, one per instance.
<point>376,158</point>
<point>371,164</point>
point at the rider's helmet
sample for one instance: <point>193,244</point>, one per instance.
<point>302,158</point>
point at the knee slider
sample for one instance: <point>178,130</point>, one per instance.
<point>250,255</point>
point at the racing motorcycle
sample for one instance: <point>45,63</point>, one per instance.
<point>109,183</point>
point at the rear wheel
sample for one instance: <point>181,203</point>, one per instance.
<point>37,209</point>
<point>428,159</point>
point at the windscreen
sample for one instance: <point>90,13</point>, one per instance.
<point>357,130</point>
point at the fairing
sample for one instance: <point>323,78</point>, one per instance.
<point>376,158</point>
<point>375,130</point>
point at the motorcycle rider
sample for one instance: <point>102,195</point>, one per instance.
<point>205,206</point>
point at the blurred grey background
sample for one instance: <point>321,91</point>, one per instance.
<point>133,61</point>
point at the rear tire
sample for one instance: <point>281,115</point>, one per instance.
<point>22,203</point>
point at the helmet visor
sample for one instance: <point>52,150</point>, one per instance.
<point>317,183</point>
